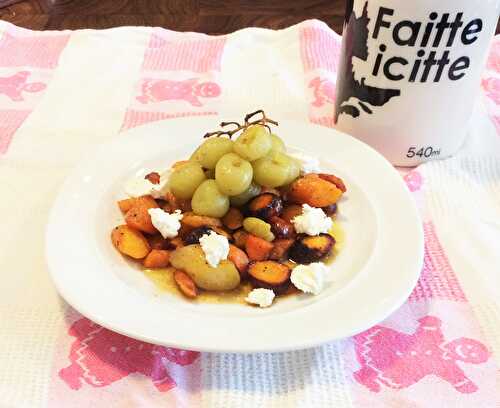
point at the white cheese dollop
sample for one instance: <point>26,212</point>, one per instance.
<point>215,247</point>
<point>309,278</point>
<point>261,297</point>
<point>168,224</point>
<point>140,186</point>
<point>312,221</point>
<point>308,164</point>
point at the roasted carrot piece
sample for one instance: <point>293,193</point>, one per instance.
<point>265,206</point>
<point>175,203</point>
<point>291,211</point>
<point>233,219</point>
<point>308,249</point>
<point>138,217</point>
<point>185,283</point>
<point>127,203</point>
<point>339,183</point>
<point>157,258</point>
<point>240,238</point>
<point>239,258</point>
<point>157,242</point>
<point>175,242</point>
<point>280,249</point>
<point>194,221</point>
<point>313,190</point>
<point>258,249</point>
<point>282,228</point>
<point>270,275</point>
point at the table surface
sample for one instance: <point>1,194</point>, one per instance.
<point>208,16</point>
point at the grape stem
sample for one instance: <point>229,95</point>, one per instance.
<point>263,121</point>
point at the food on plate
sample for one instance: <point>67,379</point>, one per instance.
<point>233,219</point>
<point>261,297</point>
<point>313,190</point>
<point>280,249</point>
<point>209,200</point>
<point>309,278</point>
<point>185,283</point>
<point>157,258</point>
<point>243,214</point>
<point>258,249</point>
<point>240,238</point>
<point>130,242</point>
<point>191,259</point>
<point>281,228</point>
<point>185,179</point>
<point>239,258</point>
<point>138,216</point>
<point>265,206</point>
<point>233,174</point>
<point>291,211</point>
<point>258,227</point>
<point>270,275</point>
<point>307,249</point>
<point>243,198</point>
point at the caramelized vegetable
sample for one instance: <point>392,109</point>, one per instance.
<point>157,258</point>
<point>157,242</point>
<point>185,284</point>
<point>223,232</point>
<point>240,238</point>
<point>130,242</point>
<point>193,237</point>
<point>282,228</point>
<point>258,249</point>
<point>233,219</point>
<point>291,211</point>
<point>191,259</point>
<point>339,183</point>
<point>265,206</point>
<point>313,190</point>
<point>239,258</point>
<point>138,217</point>
<point>307,249</point>
<point>176,203</point>
<point>280,249</point>
<point>175,243</point>
<point>153,178</point>
<point>192,220</point>
<point>270,275</point>
<point>126,204</point>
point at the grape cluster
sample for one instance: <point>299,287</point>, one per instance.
<point>222,172</point>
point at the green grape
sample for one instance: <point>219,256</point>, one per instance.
<point>273,170</point>
<point>233,174</point>
<point>211,150</point>
<point>252,191</point>
<point>258,227</point>
<point>277,145</point>
<point>208,200</point>
<point>253,143</point>
<point>294,170</point>
<point>185,179</point>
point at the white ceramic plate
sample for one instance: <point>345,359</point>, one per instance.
<point>373,274</point>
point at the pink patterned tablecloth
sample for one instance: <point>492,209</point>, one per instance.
<point>62,93</point>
